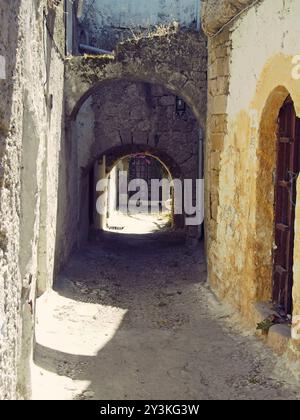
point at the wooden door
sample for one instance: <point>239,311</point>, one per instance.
<point>287,170</point>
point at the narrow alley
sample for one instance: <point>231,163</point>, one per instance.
<point>149,200</point>
<point>133,318</point>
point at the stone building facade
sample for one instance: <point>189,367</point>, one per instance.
<point>252,70</point>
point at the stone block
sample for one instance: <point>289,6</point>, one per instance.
<point>167,100</point>
<point>221,51</point>
<point>220,104</point>
<point>212,72</point>
<point>223,66</point>
<point>218,124</point>
<point>279,337</point>
<point>218,86</point>
<point>216,141</point>
<point>215,160</point>
<point>216,13</point>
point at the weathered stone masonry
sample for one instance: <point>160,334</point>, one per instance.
<point>218,88</point>
<point>176,60</point>
<point>31,112</point>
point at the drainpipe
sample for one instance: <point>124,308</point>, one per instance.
<point>201,171</point>
<point>201,154</point>
<point>69,26</point>
<point>93,50</point>
<point>198,12</point>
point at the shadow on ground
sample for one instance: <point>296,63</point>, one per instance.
<point>132,318</point>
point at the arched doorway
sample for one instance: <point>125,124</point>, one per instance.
<point>287,171</point>
<point>278,167</point>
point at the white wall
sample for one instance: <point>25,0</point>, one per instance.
<point>132,13</point>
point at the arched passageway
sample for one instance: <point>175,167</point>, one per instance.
<point>147,210</point>
<point>139,180</point>
<point>123,118</point>
<point>155,75</point>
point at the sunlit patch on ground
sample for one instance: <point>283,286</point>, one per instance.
<point>138,223</point>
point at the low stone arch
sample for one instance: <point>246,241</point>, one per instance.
<point>114,154</point>
<point>177,61</point>
<point>181,164</point>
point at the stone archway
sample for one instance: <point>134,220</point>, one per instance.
<point>116,132</point>
<point>177,61</point>
<point>114,154</point>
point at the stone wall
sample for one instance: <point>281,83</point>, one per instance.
<point>31,104</point>
<point>241,137</point>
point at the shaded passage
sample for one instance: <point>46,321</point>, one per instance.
<point>132,318</point>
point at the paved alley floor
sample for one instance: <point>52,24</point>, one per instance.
<point>131,317</point>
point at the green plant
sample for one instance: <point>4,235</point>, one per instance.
<point>266,324</point>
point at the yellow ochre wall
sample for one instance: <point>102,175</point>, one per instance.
<point>252,69</point>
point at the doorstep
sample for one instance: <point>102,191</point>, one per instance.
<point>278,336</point>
